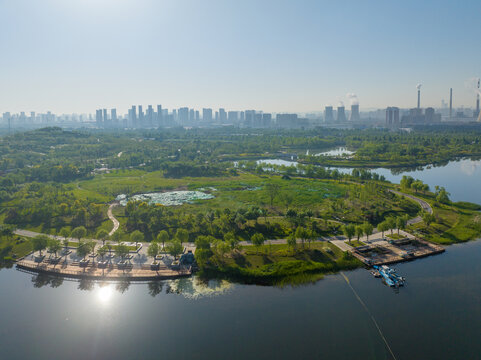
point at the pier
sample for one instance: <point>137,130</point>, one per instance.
<point>110,272</point>
<point>394,251</point>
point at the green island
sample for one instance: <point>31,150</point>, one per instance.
<point>247,221</point>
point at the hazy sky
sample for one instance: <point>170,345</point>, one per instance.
<point>78,55</point>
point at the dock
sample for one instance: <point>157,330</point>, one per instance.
<point>394,251</point>
<point>111,272</point>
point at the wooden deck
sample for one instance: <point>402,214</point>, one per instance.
<point>384,253</point>
<point>112,272</point>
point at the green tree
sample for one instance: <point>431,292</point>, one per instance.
<point>382,227</point>
<point>153,251</point>
<point>79,233</point>
<point>349,231</point>
<point>204,242</point>
<point>359,230</point>
<point>390,223</point>
<point>292,241</point>
<point>54,246</point>
<point>163,237</point>
<point>257,240</point>
<point>175,248</point>
<point>272,191</point>
<point>442,195</point>
<point>136,237</point>
<point>102,251</point>
<point>428,218</point>
<point>232,240</point>
<point>122,251</point>
<point>103,235</point>
<point>368,228</point>
<point>401,223</point>
<point>39,243</point>
<point>182,235</point>
<point>301,233</point>
<point>117,236</point>
<point>83,249</point>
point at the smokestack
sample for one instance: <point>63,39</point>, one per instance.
<point>418,86</point>
<point>477,100</point>
<point>450,103</point>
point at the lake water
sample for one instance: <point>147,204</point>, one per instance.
<point>461,178</point>
<point>436,316</point>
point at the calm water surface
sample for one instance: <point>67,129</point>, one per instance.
<point>436,316</point>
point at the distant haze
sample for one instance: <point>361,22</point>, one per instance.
<point>272,55</point>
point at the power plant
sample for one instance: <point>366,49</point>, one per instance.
<point>355,113</point>
<point>341,114</point>
<point>328,114</point>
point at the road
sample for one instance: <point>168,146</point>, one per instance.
<point>424,206</point>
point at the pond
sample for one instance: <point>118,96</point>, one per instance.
<point>168,198</point>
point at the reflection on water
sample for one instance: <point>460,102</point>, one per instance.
<point>42,280</point>
<point>104,293</point>
<point>194,287</point>
<point>469,167</point>
<point>191,287</point>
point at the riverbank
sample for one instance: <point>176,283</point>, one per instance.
<point>279,264</point>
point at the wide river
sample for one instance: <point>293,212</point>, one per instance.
<point>437,315</point>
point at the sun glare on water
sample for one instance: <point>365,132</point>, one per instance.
<point>104,294</point>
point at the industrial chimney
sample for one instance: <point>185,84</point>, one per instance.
<point>450,103</point>
<point>477,101</point>
<point>419,95</point>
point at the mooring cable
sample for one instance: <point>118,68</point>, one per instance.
<point>370,315</point>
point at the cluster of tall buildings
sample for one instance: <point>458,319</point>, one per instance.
<point>137,117</point>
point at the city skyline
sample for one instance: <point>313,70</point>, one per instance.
<point>279,56</point>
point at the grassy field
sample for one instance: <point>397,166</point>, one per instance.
<point>280,265</point>
<point>454,223</point>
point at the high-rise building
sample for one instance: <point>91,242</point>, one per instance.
<point>233,117</point>
<point>249,118</point>
<point>286,121</point>
<point>98,117</point>
<point>392,117</point>
<point>222,116</point>
<point>160,116</point>
<point>197,116</point>
<point>149,116</point>
<point>328,114</point>
<point>113,114</point>
<point>266,120</point>
<point>341,114</point>
<point>207,115</point>
<point>183,115</point>
<point>191,116</point>
<point>105,115</point>
<point>355,113</point>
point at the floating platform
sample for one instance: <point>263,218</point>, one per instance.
<point>395,251</point>
<point>111,272</point>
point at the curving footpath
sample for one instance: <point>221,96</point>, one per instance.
<point>112,218</point>
<point>424,206</point>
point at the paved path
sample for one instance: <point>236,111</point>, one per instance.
<point>113,219</point>
<point>424,206</point>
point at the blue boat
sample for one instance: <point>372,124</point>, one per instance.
<point>390,276</point>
